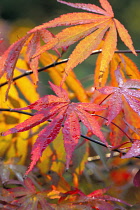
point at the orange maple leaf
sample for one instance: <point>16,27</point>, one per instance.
<point>91,27</point>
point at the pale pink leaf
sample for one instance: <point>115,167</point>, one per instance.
<point>133,103</point>
<point>119,77</point>
<point>133,151</point>
<point>132,83</point>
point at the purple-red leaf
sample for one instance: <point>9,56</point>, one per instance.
<point>62,113</point>
<point>71,133</point>
<point>136,179</point>
<point>45,137</point>
<point>118,94</point>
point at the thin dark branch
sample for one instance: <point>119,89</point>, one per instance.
<point>60,62</point>
<point>115,125</point>
<point>18,111</point>
<point>39,70</point>
<point>83,136</point>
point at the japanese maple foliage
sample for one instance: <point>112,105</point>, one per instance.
<point>92,28</point>
<point>97,199</point>
<point>125,90</point>
<point>62,113</point>
<point>109,109</point>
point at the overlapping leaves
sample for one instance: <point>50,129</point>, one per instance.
<point>62,113</point>
<point>127,90</point>
<point>92,28</point>
<point>32,42</point>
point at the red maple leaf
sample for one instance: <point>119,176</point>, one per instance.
<point>28,197</point>
<point>91,27</point>
<point>62,113</point>
<point>9,58</point>
<point>96,199</point>
<point>126,91</point>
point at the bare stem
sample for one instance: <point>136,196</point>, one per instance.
<point>83,136</point>
<point>60,62</point>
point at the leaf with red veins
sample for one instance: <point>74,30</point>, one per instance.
<point>107,7</point>
<point>60,92</point>
<point>115,106</point>
<point>117,96</point>
<point>32,48</point>
<point>71,35</point>
<point>108,48</point>
<point>9,58</point>
<point>132,83</point>
<point>27,189</point>
<point>116,103</point>
<point>107,90</point>
<point>133,103</point>
<point>90,106</point>
<point>84,49</point>
<point>133,151</point>
<point>97,193</point>
<point>88,7</point>
<point>119,77</point>
<point>124,35</point>
<point>45,137</point>
<point>90,123</point>
<point>71,134</point>
<point>46,35</point>
<point>39,117</point>
<point>44,102</point>
<point>69,19</point>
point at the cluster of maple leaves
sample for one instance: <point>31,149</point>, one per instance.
<point>98,30</point>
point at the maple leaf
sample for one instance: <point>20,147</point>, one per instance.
<point>96,199</point>
<point>136,180</point>
<point>33,46</point>
<point>9,58</point>
<point>91,27</point>
<point>27,197</point>
<point>125,90</point>
<point>62,113</point>
<point>134,150</point>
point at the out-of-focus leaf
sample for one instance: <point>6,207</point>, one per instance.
<point>136,179</point>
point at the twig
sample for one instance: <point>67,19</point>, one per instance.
<point>60,62</point>
<point>83,136</point>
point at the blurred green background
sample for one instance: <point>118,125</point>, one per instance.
<point>30,13</point>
